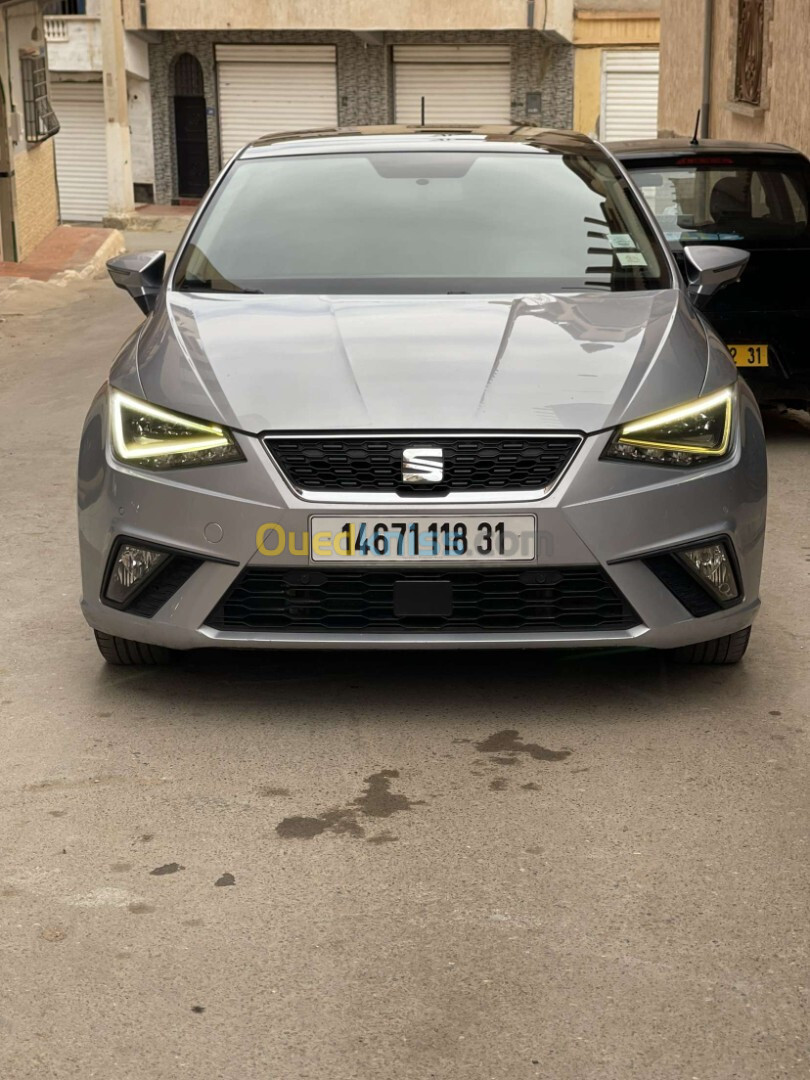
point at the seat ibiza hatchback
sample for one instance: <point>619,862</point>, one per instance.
<point>416,389</point>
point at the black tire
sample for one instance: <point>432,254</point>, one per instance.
<point>124,653</point>
<point>723,650</point>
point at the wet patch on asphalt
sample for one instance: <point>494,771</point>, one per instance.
<point>509,741</point>
<point>377,801</point>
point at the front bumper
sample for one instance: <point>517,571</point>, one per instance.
<point>602,513</point>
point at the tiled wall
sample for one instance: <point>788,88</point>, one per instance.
<point>37,211</point>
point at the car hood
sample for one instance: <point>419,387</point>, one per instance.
<point>560,361</point>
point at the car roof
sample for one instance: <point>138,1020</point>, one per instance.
<point>406,137</point>
<point>650,148</point>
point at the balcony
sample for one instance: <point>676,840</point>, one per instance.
<point>74,44</point>
<point>363,16</point>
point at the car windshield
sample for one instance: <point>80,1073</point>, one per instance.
<point>721,199</point>
<point>443,222</point>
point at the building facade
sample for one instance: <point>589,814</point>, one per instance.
<point>759,76</point>
<point>29,208</point>
<point>221,76</point>
<point>73,34</point>
<point>616,68</point>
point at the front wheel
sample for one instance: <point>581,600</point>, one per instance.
<point>723,650</point>
<point>123,652</point>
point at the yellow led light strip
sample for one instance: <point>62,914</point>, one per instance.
<point>119,401</point>
<point>682,412</point>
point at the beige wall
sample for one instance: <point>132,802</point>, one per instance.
<point>786,79</point>
<point>37,204</point>
<point>593,33</point>
<point>349,15</point>
<point>33,194</point>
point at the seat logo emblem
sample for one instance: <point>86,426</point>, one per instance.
<point>422,465</point>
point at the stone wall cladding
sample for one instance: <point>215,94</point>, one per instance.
<point>363,76</point>
<point>37,211</point>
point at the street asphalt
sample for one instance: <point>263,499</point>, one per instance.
<point>522,866</point>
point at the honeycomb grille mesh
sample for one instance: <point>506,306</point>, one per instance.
<point>480,463</point>
<point>359,600</point>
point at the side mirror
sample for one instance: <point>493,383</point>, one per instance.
<point>709,268</point>
<point>141,274</point>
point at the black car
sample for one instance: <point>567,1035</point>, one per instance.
<point>755,197</point>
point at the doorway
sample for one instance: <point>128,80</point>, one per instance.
<point>190,127</point>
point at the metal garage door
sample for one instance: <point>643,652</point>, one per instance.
<point>267,88</point>
<point>629,94</point>
<point>81,150</point>
<point>461,84</point>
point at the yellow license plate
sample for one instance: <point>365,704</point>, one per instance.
<point>749,355</point>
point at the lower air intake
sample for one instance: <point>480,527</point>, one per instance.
<point>579,598</point>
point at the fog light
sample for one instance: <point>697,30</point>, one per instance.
<point>132,566</point>
<point>712,565</point>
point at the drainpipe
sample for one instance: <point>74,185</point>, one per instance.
<point>705,105</point>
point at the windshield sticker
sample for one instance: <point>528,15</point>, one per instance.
<point>631,258</point>
<point>621,240</point>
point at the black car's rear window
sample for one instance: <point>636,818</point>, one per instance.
<point>426,221</point>
<point>754,200</point>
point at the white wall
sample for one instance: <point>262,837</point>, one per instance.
<point>140,126</point>
<point>81,51</point>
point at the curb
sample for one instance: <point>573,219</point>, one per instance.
<point>147,223</point>
<point>113,245</point>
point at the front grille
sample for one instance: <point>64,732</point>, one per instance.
<point>360,600</point>
<point>374,463</point>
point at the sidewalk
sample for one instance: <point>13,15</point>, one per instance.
<point>70,252</point>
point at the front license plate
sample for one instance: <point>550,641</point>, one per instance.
<point>749,355</point>
<point>422,539</point>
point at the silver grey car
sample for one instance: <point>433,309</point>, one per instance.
<point>423,389</point>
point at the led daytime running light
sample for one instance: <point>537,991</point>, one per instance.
<point>212,436</point>
<point>673,416</point>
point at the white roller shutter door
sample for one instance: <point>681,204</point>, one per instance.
<point>81,150</point>
<point>461,84</point>
<point>269,88</point>
<point>629,94</point>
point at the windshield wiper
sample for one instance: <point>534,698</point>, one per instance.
<point>195,284</point>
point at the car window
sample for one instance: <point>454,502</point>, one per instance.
<point>425,222</point>
<point>726,200</point>
<point>797,196</point>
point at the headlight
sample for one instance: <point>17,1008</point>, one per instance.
<point>688,435</point>
<point>152,438</point>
